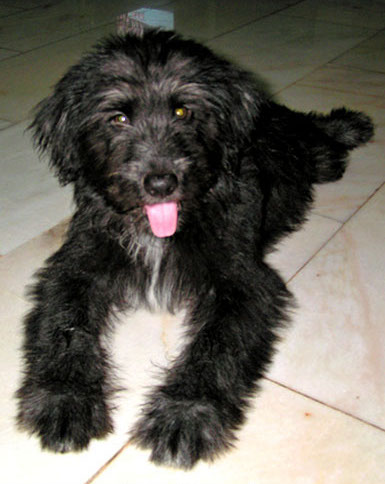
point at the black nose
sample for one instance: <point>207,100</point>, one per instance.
<point>160,185</point>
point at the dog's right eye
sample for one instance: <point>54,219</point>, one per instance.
<point>121,119</point>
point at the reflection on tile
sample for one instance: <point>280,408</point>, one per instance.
<point>28,224</point>
<point>205,19</point>
<point>5,10</point>
<point>54,21</point>
<point>41,203</point>
<point>348,12</point>
<point>295,251</point>
<point>367,55</point>
<point>21,166</point>
<point>287,438</point>
<point>335,350</point>
<point>40,27</point>
<point>283,49</point>
<point>17,267</point>
<point>20,93</point>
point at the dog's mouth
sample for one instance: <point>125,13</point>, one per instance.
<point>163,218</point>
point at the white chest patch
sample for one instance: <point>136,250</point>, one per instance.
<point>152,251</point>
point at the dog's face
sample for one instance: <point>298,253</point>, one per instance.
<point>149,123</point>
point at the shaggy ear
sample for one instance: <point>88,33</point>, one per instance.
<point>55,135</point>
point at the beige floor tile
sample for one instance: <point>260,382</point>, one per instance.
<point>367,55</point>
<point>31,200</point>
<point>6,53</point>
<point>4,124</point>
<point>314,98</point>
<point>283,49</point>
<point>347,79</point>
<point>5,11</point>
<point>20,93</point>
<point>53,21</point>
<point>347,12</point>
<point>287,439</point>
<point>41,26</point>
<point>12,310</point>
<point>26,4</point>
<point>18,267</point>
<point>295,251</point>
<point>335,349</point>
<point>204,19</point>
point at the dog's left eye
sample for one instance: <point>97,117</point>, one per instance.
<point>121,119</point>
<point>182,112</point>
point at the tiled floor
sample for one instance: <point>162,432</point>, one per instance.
<point>320,417</point>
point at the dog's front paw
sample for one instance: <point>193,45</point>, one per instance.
<point>64,421</point>
<point>181,432</point>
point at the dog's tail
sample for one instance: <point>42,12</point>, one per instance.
<point>345,130</point>
<point>348,128</point>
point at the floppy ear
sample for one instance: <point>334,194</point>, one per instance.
<point>55,135</point>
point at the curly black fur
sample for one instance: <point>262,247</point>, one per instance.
<point>147,118</point>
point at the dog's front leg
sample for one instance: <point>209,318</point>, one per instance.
<point>64,395</point>
<point>194,414</point>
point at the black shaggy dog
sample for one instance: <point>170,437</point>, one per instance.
<point>184,177</point>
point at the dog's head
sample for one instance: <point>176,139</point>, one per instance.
<point>150,122</point>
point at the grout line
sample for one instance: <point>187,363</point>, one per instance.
<point>11,50</point>
<point>373,31</point>
<point>288,281</point>
<point>75,34</point>
<point>342,225</point>
<point>312,85</point>
<point>349,67</point>
<point>367,200</point>
<point>67,37</point>
<point>110,461</point>
<point>355,46</point>
<point>256,19</point>
<point>336,409</point>
<point>352,68</point>
<point>341,24</point>
<point>330,62</point>
<point>327,217</point>
<point>282,385</point>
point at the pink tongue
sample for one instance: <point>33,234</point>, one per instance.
<point>163,218</point>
